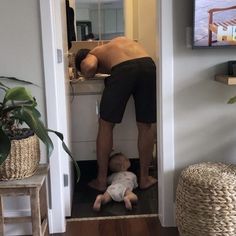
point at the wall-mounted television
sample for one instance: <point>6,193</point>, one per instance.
<point>214,23</point>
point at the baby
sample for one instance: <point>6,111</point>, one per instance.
<point>122,182</point>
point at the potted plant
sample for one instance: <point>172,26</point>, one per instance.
<point>20,129</point>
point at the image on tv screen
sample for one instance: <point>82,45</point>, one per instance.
<point>214,23</point>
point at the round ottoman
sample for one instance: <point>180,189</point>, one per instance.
<point>206,200</point>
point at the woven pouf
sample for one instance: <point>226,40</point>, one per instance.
<point>206,200</point>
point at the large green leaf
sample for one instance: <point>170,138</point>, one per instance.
<point>15,79</point>
<point>36,113</point>
<point>60,135</point>
<point>18,94</point>
<point>30,117</point>
<point>15,107</point>
<point>5,146</point>
<point>3,86</point>
<point>232,100</point>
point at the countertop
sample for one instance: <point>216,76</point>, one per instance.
<point>82,86</point>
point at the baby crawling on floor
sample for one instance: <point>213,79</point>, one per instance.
<point>121,183</point>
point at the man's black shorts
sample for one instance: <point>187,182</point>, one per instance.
<point>135,77</point>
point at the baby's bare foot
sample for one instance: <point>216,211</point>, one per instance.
<point>147,182</point>
<point>97,203</point>
<point>98,185</point>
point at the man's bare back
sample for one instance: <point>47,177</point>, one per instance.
<point>116,51</point>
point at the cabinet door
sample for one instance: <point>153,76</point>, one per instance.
<point>84,110</point>
<point>85,117</point>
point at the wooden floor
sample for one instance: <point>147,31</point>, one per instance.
<point>114,219</point>
<point>142,226</point>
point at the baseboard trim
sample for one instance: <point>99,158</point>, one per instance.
<point>112,217</point>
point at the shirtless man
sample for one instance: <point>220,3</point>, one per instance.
<point>132,72</point>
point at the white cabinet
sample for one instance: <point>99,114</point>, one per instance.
<point>84,110</point>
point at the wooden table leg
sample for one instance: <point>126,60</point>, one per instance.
<point>44,209</point>
<point>35,212</point>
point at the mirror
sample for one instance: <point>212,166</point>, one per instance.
<point>99,19</point>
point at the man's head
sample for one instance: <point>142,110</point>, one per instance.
<point>119,162</point>
<point>80,56</point>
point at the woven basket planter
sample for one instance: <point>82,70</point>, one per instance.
<point>206,200</point>
<point>23,159</point>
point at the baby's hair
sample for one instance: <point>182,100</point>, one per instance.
<point>115,154</point>
<point>118,162</point>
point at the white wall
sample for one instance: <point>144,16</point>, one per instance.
<point>20,45</point>
<point>20,50</point>
<point>205,126</point>
<point>147,26</point>
<point>141,24</point>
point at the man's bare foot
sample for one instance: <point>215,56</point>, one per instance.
<point>147,182</point>
<point>97,203</point>
<point>98,185</point>
<point>128,204</point>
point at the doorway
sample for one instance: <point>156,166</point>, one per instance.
<point>165,114</point>
<point>85,102</point>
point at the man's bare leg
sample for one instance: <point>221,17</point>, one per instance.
<point>130,198</point>
<point>104,148</point>
<point>101,199</point>
<point>145,147</point>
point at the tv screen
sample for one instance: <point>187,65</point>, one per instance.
<point>214,23</point>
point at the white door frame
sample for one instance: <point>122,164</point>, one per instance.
<point>55,109</point>
<point>165,127</point>
<point>165,111</point>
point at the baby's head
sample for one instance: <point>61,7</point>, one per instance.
<point>118,162</point>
